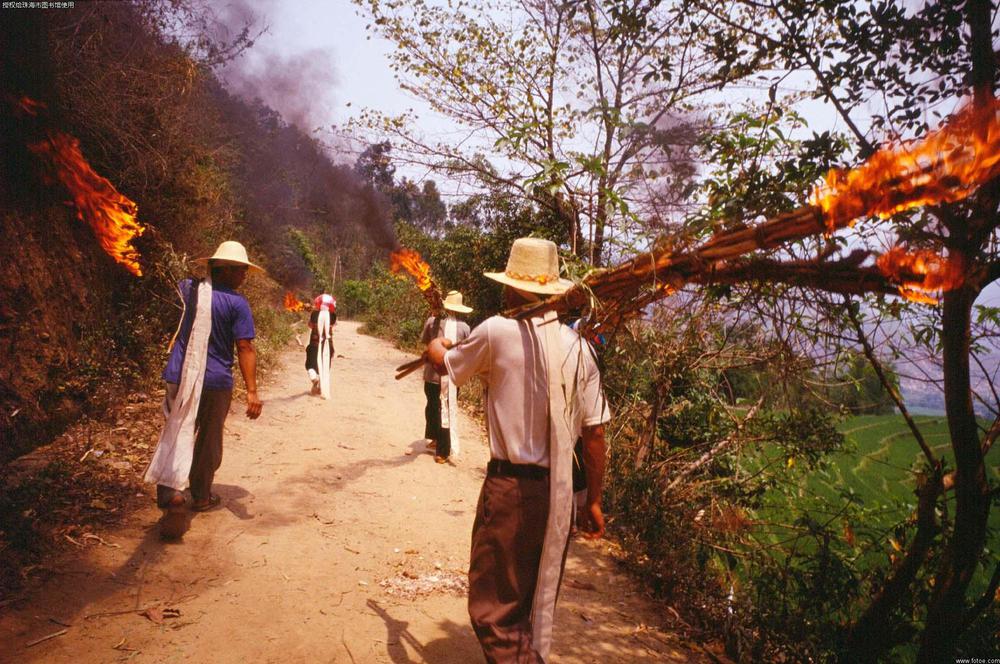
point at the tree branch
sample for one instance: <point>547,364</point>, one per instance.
<point>868,637</point>
<point>984,602</point>
<point>889,387</point>
<point>991,274</point>
<point>717,448</point>
<point>843,277</point>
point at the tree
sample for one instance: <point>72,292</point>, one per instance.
<point>919,62</point>
<point>420,205</point>
<point>858,389</point>
<point>567,103</point>
<point>374,166</point>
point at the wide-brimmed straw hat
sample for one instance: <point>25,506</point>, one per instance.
<point>533,266</point>
<point>453,302</point>
<point>230,252</point>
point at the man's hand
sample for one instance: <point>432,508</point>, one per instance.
<point>247,356</point>
<point>254,405</point>
<point>593,526</point>
<point>594,461</point>
<point>436,350</point>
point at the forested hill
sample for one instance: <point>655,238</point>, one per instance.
<point>201,164</point>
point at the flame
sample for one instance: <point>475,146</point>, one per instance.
<point>110,215</point>
<point>410,260</point>
<point>921,273</point>
<point>947,165</point>
<point>31,106</point>
<point>292,303</point>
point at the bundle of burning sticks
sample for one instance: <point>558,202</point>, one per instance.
<point>409,260</point>
<point>947,165</point>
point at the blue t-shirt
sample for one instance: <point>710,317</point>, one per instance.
<point>231,320</point>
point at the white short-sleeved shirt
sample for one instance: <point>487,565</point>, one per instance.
<point>508,355</point>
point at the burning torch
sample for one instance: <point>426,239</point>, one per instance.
<point>947,165</point>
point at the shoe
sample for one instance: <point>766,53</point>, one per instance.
<point>176,501</point>
<point>206,506</point>
<point>440,459</point>
<point>173,524</point>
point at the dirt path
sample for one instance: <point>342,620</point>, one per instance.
<point>340,540</point>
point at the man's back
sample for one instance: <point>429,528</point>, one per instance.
<point>231,320</point>
<point>509,355</point>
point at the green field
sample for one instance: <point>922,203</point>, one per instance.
<point>879,464</point>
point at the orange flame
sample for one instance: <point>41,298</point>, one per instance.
<point>921,273</point>
<point>947,165</point>
<point>410,260</point>
<point>109,214</point>
<point>292,303</point>
<point>31,106</point>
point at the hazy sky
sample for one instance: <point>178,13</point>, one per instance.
<point>323,48</point>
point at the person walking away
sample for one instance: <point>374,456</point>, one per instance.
<point>319,352</point>
<point>543,391</point>
<point>441,409</point>
<point>199,380</point>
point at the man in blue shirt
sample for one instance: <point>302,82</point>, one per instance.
<point>231,325</point>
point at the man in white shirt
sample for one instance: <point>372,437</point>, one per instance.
<point>543,392</point>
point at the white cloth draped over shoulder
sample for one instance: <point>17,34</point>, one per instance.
<point>324,330</point>
<point>544,387</point>
<point>171,463</point>
<point>564,419</point>
<point>449,392</point>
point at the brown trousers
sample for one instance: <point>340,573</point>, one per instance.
<point>503,568</point>
<point>209,425</point>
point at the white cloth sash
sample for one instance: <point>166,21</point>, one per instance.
<point>171,462</point>
<point>563,422</point>
<point>325,342</point>
<point>449,393</point>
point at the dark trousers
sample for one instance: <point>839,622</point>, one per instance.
<point>432,420</point>
<point>507,542</point>
<point>208,429</point>
<point>312,356</point>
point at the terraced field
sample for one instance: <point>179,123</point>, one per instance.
<point>880,463</point>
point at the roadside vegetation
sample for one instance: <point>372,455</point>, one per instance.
<point>767,477</point>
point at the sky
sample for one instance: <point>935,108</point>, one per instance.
<point>324,46</point>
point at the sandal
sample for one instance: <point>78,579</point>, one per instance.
<point>208,505</point>
<point>174,502</point>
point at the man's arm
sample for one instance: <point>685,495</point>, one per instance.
<point>247,355</point>
<point>594,461</point>
<point>436,350</point>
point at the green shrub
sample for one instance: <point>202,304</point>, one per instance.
<point>353,298</point>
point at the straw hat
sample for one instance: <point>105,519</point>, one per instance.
<point>230,252</point>
<point>533,266</point>
<point>453,302</point>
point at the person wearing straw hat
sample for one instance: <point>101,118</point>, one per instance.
<point>543,391</point>
<point>199,381</point>
<point>441,411</point>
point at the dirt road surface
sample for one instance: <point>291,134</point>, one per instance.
<point>339,540</point>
